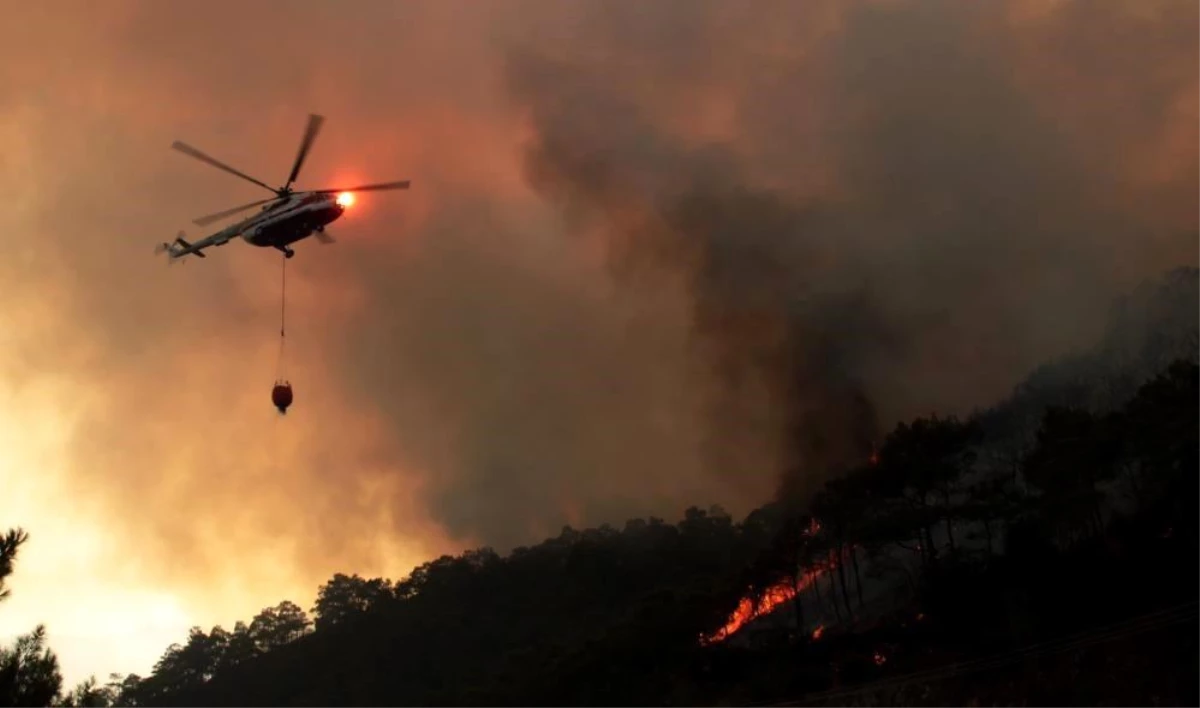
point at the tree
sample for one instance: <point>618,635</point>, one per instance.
<point>89,694</point>
<point>276,626</point>
<point>993,501</point>
<point>1163,438</point>
<point>1075,451</point>
<point>347,595</point>
<point>10,543</point>
<point>185,666</point>
<point>29,674</point>
<point>920,464</point>
<point>127,690</point>
<point>835,506</point>
<point>240,647</point>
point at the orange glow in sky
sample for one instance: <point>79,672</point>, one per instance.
<point>467,369</point>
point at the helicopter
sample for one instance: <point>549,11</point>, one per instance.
<point>285,218</point>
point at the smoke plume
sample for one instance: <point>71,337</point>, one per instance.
<point>655,255</point>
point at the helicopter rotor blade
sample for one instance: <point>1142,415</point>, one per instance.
<point>193,152</point>
<point>206,220</point>
<point>403,184</point>
<point>310,135</point>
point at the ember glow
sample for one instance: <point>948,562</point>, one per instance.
<point>750,609</point>
<point>440,406</point>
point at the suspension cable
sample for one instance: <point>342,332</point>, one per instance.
<point>279,372</point>
<point>283,297</point>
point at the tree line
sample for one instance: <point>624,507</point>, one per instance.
<point>607,615</point>
<point>952,536</point>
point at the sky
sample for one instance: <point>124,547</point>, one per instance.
<point>647,246</point>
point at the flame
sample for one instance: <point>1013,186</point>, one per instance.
<point>749,609</point>
<point>880,659</point>
<point>818,632</point>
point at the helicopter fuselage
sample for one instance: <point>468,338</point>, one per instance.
<point>286,218</point>
<point>291,221</point>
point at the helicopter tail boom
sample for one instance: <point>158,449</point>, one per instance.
<point>179,249</point>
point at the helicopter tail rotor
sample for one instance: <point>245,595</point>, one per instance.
<point>177,250</point>
<point>170,250</point>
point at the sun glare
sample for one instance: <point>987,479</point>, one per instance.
<point>345,199</point>
<point>111,627</point>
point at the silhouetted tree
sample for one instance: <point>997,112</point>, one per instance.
<point>919,464</point>
<point>992,502</point>
<point>239,647</point>
<point>1162,424</point>
<point>1075,451</point>
<point>276,626</point>
<point>10,544</point>
<point>29,674</point>
<point>90,694</point>
<point>183,667</point>
<point>347,595</point>
<point>834,506</point>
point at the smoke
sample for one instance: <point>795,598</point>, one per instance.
<point>897,223</point>
<point>654,255</point>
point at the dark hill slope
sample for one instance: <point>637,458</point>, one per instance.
<point>1147,329</point>
<point>613,617</point>
<point>483,629</point>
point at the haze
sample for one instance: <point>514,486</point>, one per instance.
<point>624,217</point>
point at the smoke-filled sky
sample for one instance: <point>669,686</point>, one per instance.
<point>632,225</point>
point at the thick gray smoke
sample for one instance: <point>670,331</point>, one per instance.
<point>656,254</point>
<point>956,235</point>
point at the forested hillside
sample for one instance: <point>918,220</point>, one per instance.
<point>1041,551</point>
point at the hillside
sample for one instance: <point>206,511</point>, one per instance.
<point>1053,534</point>
<point>1147,329</point>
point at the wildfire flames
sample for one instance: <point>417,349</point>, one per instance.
<point>750,609</point>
